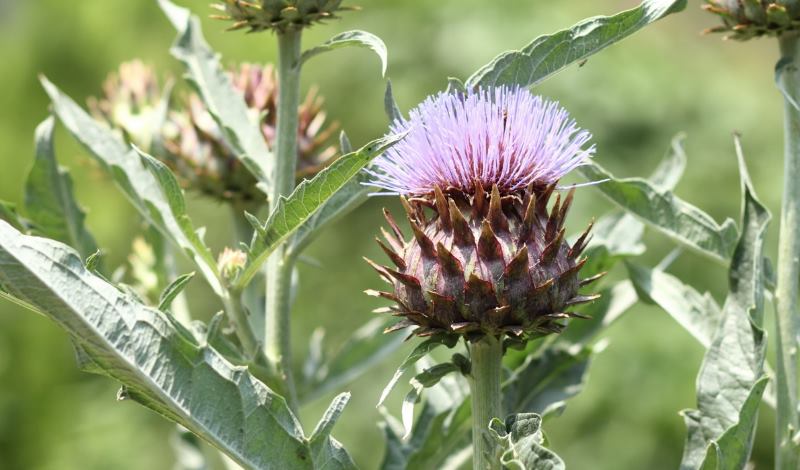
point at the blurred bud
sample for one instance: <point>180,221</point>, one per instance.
<point>131,102</point>
<point>277,15</point>
<point>231,262</point>
<point>746,19</point>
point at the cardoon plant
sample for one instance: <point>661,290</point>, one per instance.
<point>487,258</point>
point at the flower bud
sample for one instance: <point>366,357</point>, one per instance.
<point>745,19</point>
<point>230,263</point>
<point>277,15</point>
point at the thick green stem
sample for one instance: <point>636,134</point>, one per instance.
<point>788,269</point>
<point>485,376</point>
<point>277,334</point>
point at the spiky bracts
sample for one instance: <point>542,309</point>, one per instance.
<point>483,263</point>
<point>277,15</point>
<point>746,19</point>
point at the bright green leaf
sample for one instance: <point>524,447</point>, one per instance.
<point>173,290</point>
<point>422,350</point>
<point>159,363</point>
<point>291,212</point>
<point>9,213</point>
<point>49,198</point>
<point>351,38</point>
<point>549,54</point>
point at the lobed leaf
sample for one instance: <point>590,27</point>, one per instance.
<point>351,38</point>
<point>426,378</point>
<point>290,213</point>
<point>521,443</point>
<point>49,198</point>
<point>239,126</point>
<point>549,54</point>
<point>160,364</point>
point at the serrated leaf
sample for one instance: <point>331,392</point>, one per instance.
<point>364,349</point>
<point>159,364</point>
<point>423,349</point>
<point>733,368</point>
<point>351,38</point>
<point>291,212</point>
<point>697,313</point>
<point>521,443</point>
<point>129,173</point>
<point>226,105</point>
<point>427,378</point>
<point>173,290</point>
<point>667,213</point>
<point>49,198</point>
<point>549,54</point>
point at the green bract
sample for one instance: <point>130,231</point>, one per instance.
<point>746,19</point>
<point>277,15</point>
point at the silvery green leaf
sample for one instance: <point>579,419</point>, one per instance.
<point>160,364</point>
<point>667,213</point>
<point>422,350</point>
<point>731,379</point>
<point>698,313</point>
<point>426,378</point>
<point>455,85</point>
<point>549,54</point>
<point>326,452</point>
<point>367,347</point>
<point>390,105</point>
<point>49,199</point>
<point>521,443</point>
<point>188,450</point>
<point>226,105</point>
<point>351,38</point>
<point>291,212</point>
<point>545,381</point>
<point>173,290</point>
<point>125,166</point>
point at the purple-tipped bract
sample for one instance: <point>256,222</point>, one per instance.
<point>494,136</point>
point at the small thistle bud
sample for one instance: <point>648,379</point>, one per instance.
<point>130,102</point>
<point>487,253</point>
<point>746,19</point>
<point>230,263</point>
<point>276,15</point>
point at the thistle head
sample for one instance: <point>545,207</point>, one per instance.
<point>487,253</point>
<point>204,160</point>
<point>746,19</point>
<point>276,15</point>
<point>130,102</point>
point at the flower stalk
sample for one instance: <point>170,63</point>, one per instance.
<point>485,375</point>
<point>277,337</point>
<point>788,269</point>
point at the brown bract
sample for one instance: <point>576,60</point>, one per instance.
<point>746,19</point>
<point>484,263</point>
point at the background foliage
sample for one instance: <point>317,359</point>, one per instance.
<point>634,97</point>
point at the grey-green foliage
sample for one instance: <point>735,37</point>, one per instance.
<point>551,53</point>
<point>291,212</point>
<point>350,38</point>
<point>131,175</point>
<point>226,105</point>
<point>160,364</point>
<point>520,443</point>
<point>732,380</point>
<point>49,199</point>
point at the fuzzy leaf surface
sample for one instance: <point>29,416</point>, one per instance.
<point>521,442</point>
<point>731,380</point>
<point>351,38</point>
<point>49,198</point>
<point>226,105</point>
<point>128,170</point>
<point>551,53</point>
<point>667,213</point>
<point>160,364</point>
<point>291,212</point>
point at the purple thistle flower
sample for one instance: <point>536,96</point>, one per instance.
<point>494,136</point>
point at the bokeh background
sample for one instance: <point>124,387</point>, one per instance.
<point>634,97</point>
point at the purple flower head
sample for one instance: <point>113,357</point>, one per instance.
<point>493,136</point>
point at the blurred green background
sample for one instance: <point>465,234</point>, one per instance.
<point>634,97</point>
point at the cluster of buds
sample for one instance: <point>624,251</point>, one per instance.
<point>277,15</point>
<point>193,145</point>
<point>746,19</point>
<point>488,254</point>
